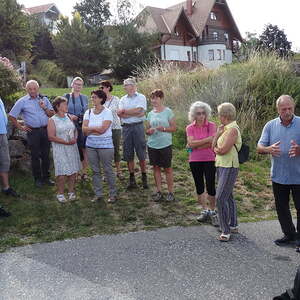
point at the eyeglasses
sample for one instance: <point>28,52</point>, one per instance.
<point>199,113</point>
<point>102,87</point>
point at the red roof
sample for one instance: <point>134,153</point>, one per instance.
<point>39,9</point>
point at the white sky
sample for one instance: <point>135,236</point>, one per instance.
<point>250,15</point>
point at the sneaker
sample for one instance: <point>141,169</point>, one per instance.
<point>204,216</point>
<point>234,229</point>
<point>132,183</point>
<point>97,199</point>
<point>10,192</point>
<point>144,181</point>
<point>284,240</point>
<point>71,196</point>
<point>298,245</point>
<point>4,213</point>
<point>214,219</point>
<point>170,197</point>
<point>158,197</point>
<point>61,198</point>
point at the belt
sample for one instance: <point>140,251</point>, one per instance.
<point>37,128</point>
<point>132,124</point>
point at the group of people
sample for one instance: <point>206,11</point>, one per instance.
<point>83,136</point>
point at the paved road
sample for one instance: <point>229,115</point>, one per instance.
<point>173,263</point>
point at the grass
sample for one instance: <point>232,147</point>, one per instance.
<point>38,217</point>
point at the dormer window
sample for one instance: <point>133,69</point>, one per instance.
<point>213,16</point>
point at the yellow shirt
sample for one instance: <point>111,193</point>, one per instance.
<point>230,159</point>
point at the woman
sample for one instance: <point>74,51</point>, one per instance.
<point>226,144</point>
<point>97,123</point>
<point>63,135</point>
<point>112,103</point>
<point>160,125</point>
<point>77,106</point>
<point>200,135</point>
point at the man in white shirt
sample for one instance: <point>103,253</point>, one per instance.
<point>132,109</point>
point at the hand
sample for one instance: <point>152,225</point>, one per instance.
<point>216,150</point>
<point>160,128</point>
<point>294,150</point>
<point>275,149</point>
<point>72,141</point>
<point>120,112</point>
<point>43,104</point>
<point>73,118</point>
<point>150,131</point>
<point>24,128</point>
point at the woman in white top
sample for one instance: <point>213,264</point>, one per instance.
<point>63,135</point>
<point>112,103</point>
<point>97,126</point>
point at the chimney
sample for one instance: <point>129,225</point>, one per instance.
<point>189,7</point>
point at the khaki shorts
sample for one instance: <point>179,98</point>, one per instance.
<point>4,154</point>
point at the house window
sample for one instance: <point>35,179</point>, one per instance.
<point>176,32</point>
<point>195,56</point>
<point>211,55</point>
<point>224,55</point>
<point>215,35</point>
<point>188,55</point>
<point>226,36</point>
<point>213,16</point>
<point>219,54</point>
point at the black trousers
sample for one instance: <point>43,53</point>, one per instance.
<point>40,148</point>
<point>282,201</point>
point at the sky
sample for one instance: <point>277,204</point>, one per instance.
<point>250,15</point>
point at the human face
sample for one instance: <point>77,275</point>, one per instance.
<point>286,109</point>
<point>200,115</point>
<point>156,101</point>
<point>96,100</point>
<point>130,89</point>
<point>33,90</point>
<point>63,107</point>
<point>77,86</point>
<point>105,89</point>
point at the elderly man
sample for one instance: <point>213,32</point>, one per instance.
<point>132,108</point>
<point>281,139</point>
<point>35,111</point>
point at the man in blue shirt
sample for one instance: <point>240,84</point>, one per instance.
<point>4,158</point>
<point>35,111</point>
<point>281,139</point>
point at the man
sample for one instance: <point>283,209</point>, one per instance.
<point>132,108</point>
<point>281,139</point>
<point>4,159</point>
<point>35,111</point>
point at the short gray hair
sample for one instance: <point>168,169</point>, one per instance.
<point>199,105</point>
<point>129,81</point>
<point>227,110</point>
<point>32,82</point>
<point>284,97</point>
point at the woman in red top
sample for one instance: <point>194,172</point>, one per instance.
<point>200,134</point>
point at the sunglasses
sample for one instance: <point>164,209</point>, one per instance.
<point>199,113</point>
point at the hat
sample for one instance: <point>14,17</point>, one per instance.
<point>129,81</point>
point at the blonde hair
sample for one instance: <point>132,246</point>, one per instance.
<point>199,105</point>
<point>227,110</point>
<point>77,79</point>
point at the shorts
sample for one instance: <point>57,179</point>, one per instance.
<point>160,157</point>
<point>4,154</point>
<point>134,141</point>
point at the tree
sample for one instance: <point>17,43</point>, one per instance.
<point>16,35</point>
<point>131,48</point>
<point>274,39</point>
<point>250,44</point>
<point>94,13</point>
<point>78,49</point>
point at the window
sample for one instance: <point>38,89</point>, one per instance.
<point>226,36</point>
<point>195,56</point>
<point>219,54</point>
<point>215,35</point>
<point>176,32</point>
<point>213,16</point>
<point>188,55</point>
<point>211,55</point>
<point>224,55</point>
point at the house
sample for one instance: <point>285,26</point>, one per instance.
<point>48,14</point>
<point>201,31</point>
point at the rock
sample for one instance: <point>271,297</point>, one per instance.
<point>16,148</point>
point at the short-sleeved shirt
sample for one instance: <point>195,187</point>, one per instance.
<point>105,139</point>
<point>3,119</point>
<point>113,105</point>
<point>75,107</point>
<point>160,139</point>
<point>284,169</point>
<point>231,158</point>
<point>198,133</point>
<point>31,112</point>
<point>137,100</point>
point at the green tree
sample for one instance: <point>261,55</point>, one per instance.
<point>274,39</point>
<point>78,49</point>
<point>94,13</point>
<point>16,34</point>
<point>250,44</point>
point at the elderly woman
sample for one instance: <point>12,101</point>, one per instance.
<point>63,135</point>
<point>112,103</point>
<point>200,135</point>
<point>226,144</point>
<point>97,124</point>
<point>160,125</point>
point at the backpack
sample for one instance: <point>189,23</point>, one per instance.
<point>243,154</point>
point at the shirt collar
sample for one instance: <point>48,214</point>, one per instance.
<point>231,125</point>
<point>292,122</point>
<point>134,95</point>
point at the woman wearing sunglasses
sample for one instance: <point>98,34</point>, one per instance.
<point>200,134</point>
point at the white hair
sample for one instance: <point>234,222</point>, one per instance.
<point>32,82</point>
<point>199,105</point>
<point>284,97</point>
<point>77,79</point>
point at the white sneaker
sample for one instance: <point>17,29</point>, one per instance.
<point>61,198</point>
<point>72,196</point>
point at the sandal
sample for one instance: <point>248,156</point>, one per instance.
<point>224,237</point>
